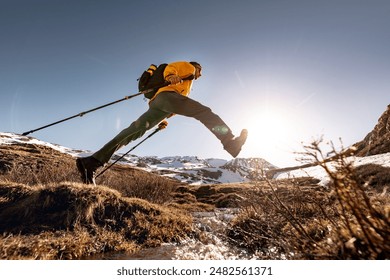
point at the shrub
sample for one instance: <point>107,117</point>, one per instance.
<point>341,222</point>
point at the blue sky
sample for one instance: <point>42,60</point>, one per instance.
<point>289,71</point>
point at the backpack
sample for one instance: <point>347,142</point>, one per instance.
<point>151,80</point>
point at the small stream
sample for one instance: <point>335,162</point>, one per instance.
<point>211,246</point>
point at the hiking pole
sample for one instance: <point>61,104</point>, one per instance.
<point>162,125</point>
<point>84,113</point>
<point>94,109</point>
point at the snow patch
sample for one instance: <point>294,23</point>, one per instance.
<point>319,173</point>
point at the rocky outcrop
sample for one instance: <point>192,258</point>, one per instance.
<point>378,140</point>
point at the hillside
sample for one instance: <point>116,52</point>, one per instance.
<point>46,213</point>
<point>186,169</point>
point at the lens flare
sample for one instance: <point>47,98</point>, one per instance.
<point>272,134</point>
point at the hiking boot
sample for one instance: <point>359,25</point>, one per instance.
<point>87,167</point>
<point>233,146</point>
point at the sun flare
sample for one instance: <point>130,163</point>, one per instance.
<point>271,133</point>
<point>266,128</point>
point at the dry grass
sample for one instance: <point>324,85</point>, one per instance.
<point>349,220</point>
<point>62,244</point>
<point>138,183</point>
<point>71,220</point>
<point>41,217</point>
<point>373,177</point>
<point>35,165</point>
<point>281,220</point>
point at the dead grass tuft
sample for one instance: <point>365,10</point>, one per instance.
<point>51,215</point>
<point>375,177</point>
<point>137,183</point>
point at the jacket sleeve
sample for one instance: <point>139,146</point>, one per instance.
<point>182,68</point>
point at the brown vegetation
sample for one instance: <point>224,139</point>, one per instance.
<point>71,220</point>
<point>348,220</point>
<point>46,213</point>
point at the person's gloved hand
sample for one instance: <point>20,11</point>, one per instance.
<point>162,125</point>
<point>174,79</point>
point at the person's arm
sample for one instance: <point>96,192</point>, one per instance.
<point>177,71</point>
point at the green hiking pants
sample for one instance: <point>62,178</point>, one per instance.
<point>160,108</point>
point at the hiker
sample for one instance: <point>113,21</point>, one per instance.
<point>168,100</point>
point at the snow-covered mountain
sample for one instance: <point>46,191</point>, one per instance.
<point>194,170</point>
<point>189,169</point>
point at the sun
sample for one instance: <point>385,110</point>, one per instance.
<point>266,128</point>
<point>272,133</point>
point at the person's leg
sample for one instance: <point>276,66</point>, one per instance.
<point>87,166</point>
<point>175,103</point>
<point>178,104</point>
<point>138,128</point>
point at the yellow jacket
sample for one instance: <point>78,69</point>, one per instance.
<point>184,70</point>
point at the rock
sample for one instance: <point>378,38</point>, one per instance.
<point>378,140</point>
